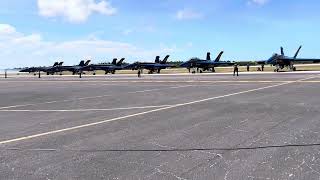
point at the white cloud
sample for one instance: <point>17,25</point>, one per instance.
<point>6,29</point>
<point>74,10</point>
<point>258,2</point>
<point>19,49</point>
<point>185,14</point>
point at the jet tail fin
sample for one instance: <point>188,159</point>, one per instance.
<point>282,52</point>
<point>81,63</point>
<point>208,56</point>
<point>87,62</point>
<point>114,61</point>
<point>60,64</point>
<point>164,61</point>
<point>218,57</point>
<point>55,64</point>
<point>120,62</point>
<point>295,56</point>
<point>157,60</point>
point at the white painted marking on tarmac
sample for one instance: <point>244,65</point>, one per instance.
<point>90,97</point>
<point>142,113</point>
<point>81,110</point>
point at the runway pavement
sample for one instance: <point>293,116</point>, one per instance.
<point>255,126</point>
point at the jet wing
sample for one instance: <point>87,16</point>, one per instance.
<point>224,63</point>
<point>66,68</point>
<point>163,65</point>
<point>306,60</point>
<point>261,62</point>
<point>97,67</point>
<point>109,67</point>
<point>29,70</point>
<point>213,63</point>
<point>147,65</point>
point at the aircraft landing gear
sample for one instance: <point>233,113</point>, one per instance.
<point>292,68</point>
<point>213,70</point>
<point>277,67</point>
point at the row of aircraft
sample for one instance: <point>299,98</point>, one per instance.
<point>278,61</point>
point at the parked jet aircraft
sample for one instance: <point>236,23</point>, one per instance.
<point>108,68</point>
<point>206,64</point>
<point>280,61</point>
<point>74,69</point>
<point>157,66</point>
<point>48,70</point>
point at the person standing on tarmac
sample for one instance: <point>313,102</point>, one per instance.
<point>139,74</point>
<point>235,70</point>
<point>248,67</point>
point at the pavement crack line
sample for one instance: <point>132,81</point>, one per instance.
<point>169,149</point>
<point>142,113</point>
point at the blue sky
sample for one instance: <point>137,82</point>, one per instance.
<point>39,32</point>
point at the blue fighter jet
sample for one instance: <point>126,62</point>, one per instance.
<point>206,64</point>
<point>157,66</point>
<point>280,61</point>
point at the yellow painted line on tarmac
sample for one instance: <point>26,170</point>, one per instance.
<point>23,138</point>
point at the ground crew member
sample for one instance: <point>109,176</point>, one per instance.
<point>235,70</point>
<point>139,73</point>
<point>262,67</point>
<point>248,67</point>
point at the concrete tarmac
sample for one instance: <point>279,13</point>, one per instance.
<point>255,126</point>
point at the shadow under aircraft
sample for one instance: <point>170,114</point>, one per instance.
<point>108,68</point>
<point>157,66</point>
<point>48,70</point>
<point>206,64</point>
<point>280,61</point>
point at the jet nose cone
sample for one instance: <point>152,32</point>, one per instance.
<point>24,70</point>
